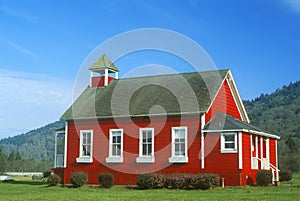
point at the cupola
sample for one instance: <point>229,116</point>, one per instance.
<point>102,72</point>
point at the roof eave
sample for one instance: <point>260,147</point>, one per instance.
<point>136,115</point>
<point>245,131</point>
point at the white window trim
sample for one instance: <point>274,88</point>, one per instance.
<point>85,159</point>
<point>222,143</point>
<point>174,158</point>
<point>111,158</point>
<point>142,158</point>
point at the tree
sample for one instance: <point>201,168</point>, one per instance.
<point>3,162</point>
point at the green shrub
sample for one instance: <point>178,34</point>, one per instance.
<point>178,181</point>
<point>263,177</point>
<point>150,181</point>
<point>205,181</point>
<point>46,174</point>
<point>53,180</point>
<point>78,179</point>
<point>106,180</point>
<point>285,175</point>
<point>37,177</point>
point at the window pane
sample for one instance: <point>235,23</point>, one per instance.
<point>118,139</point>
<point>182,149</point>
<point>114,139</point>
<point>88,150</point>
<point>119,150</point>
<point>88,138</point>
<point>176,149</point>
<point>149,149</point>
<point>144,149</point>
<point>229,138</point>
<point>84,138</point>
<point>229,145</point>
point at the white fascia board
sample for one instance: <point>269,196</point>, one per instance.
<point>237,97</point>
<point>245,131</point>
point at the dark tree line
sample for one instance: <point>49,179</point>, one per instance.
<point>279,113</point>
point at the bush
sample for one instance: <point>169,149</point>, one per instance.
<point>263,177</point>
<point>53,180</point>
<point>37,177</point>
<point>178,181</point>
<point>150,181</point>
<point>46,174</point>
<point>78,179</point>
<point>106,180</point>
<point>205,181</point>
<point>285,175</point>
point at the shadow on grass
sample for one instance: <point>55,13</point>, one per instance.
<point>25,182</point>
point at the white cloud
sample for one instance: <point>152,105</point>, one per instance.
<point>13,12</point>
<point>293,5</point>
<point>28,101</point>
<point>22,49</point>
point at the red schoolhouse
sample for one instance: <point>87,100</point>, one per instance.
<point>179,123</point>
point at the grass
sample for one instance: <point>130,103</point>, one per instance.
<point>23,188</point>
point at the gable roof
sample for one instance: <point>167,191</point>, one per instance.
<point>222,122</point>
<point>102,63</point>
<point>186,93</point>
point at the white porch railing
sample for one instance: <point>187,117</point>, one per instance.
<point>266,165</point>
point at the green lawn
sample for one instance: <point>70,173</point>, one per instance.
<point>26,189</point>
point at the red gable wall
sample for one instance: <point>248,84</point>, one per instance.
<point>223,102</point>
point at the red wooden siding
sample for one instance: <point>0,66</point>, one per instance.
<point>224,102</point>
<point>99,81</point>
<point>126,172</point>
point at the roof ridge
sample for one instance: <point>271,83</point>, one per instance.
<point>184,73</point>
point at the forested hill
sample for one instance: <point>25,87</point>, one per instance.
<point>278,112</point>
<point>37,144</point>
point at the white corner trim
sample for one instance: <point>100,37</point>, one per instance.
<point>66,145</point>
<point>240,136</point>
<point>202,141</point>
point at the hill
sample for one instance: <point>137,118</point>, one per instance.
<point>278,112</point>
<point>37,144</point>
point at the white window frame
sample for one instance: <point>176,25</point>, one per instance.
<point>145,158</point>
<point>111,158</point>
<point>179,158</point>
<point>223,142</point>
<point>84,158</point>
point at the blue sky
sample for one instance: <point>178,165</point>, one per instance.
<point>44,43</point>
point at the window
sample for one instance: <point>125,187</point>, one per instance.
<point>228,142</point>
<point>179,145</point>
<point>115,146</point>
<point>85,147</point>
<point>146,146</point>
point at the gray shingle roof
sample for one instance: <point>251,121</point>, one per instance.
<point>222,122</point>
<point>176,94</point>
